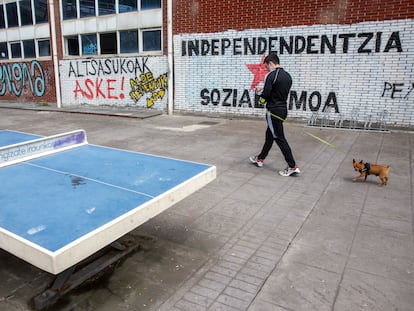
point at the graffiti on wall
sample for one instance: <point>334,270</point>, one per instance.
<point>116,79</point>
<point>314,44</point>
<point>15,78</point>
<point>306,101</point>
<point>228,97</point>
<point>147,84</point>
<point>364,43</point>
<point>334,68</point>
<point>399,90</point>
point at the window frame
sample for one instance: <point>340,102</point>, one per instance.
<point>38,47</point>
<point>25,49</point>
<point>62,11</point>
<point>98,2</point>
<point>82,36</point>
<point>9,4</point>
<point>11,50</point>
<point>19,12</point>
<point>137,41</point>
<point>99,48</point>
<point>152,8</point>
<point>142,30</point>
<point>136,7</point>
<point>136,48</point>
<point>35,9</point>
<point>2,16</point>
<point>117,33</point>
<point>6,45</point>
<point>95,9</point>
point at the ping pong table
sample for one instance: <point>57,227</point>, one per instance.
<point>63,199</point>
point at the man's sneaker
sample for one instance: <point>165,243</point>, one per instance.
<point>256,161</point>
<point>289,171</point>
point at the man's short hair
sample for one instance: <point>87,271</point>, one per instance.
<point>272,57</point>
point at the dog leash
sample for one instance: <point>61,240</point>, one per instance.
<point>308,133</point>
<point>262,101</point>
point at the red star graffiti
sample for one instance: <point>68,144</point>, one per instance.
<point>259,71</point>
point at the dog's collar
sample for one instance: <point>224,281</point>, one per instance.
<point>367,168</point>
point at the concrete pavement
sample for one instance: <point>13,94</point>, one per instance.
<point>250,240</point>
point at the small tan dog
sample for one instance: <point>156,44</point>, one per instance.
<point>366,169</point>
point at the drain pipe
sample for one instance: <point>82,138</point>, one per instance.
<point>170,57</point>
<point>55,52</point>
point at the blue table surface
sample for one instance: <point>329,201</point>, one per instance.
<point>54,200</point>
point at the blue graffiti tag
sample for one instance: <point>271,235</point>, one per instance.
<point>15,77</point>
<point>70,140</point>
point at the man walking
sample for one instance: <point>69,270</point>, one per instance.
<point>275,93</point>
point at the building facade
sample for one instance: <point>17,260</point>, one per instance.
<point>345,56</point>
<point>82,51</point>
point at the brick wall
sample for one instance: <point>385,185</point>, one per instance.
<point>344,56</point>
<point>214,16</point>
<point>370,70</point>
<point>336,68</point>
<point>31,81</point>
<point>115,81</point>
